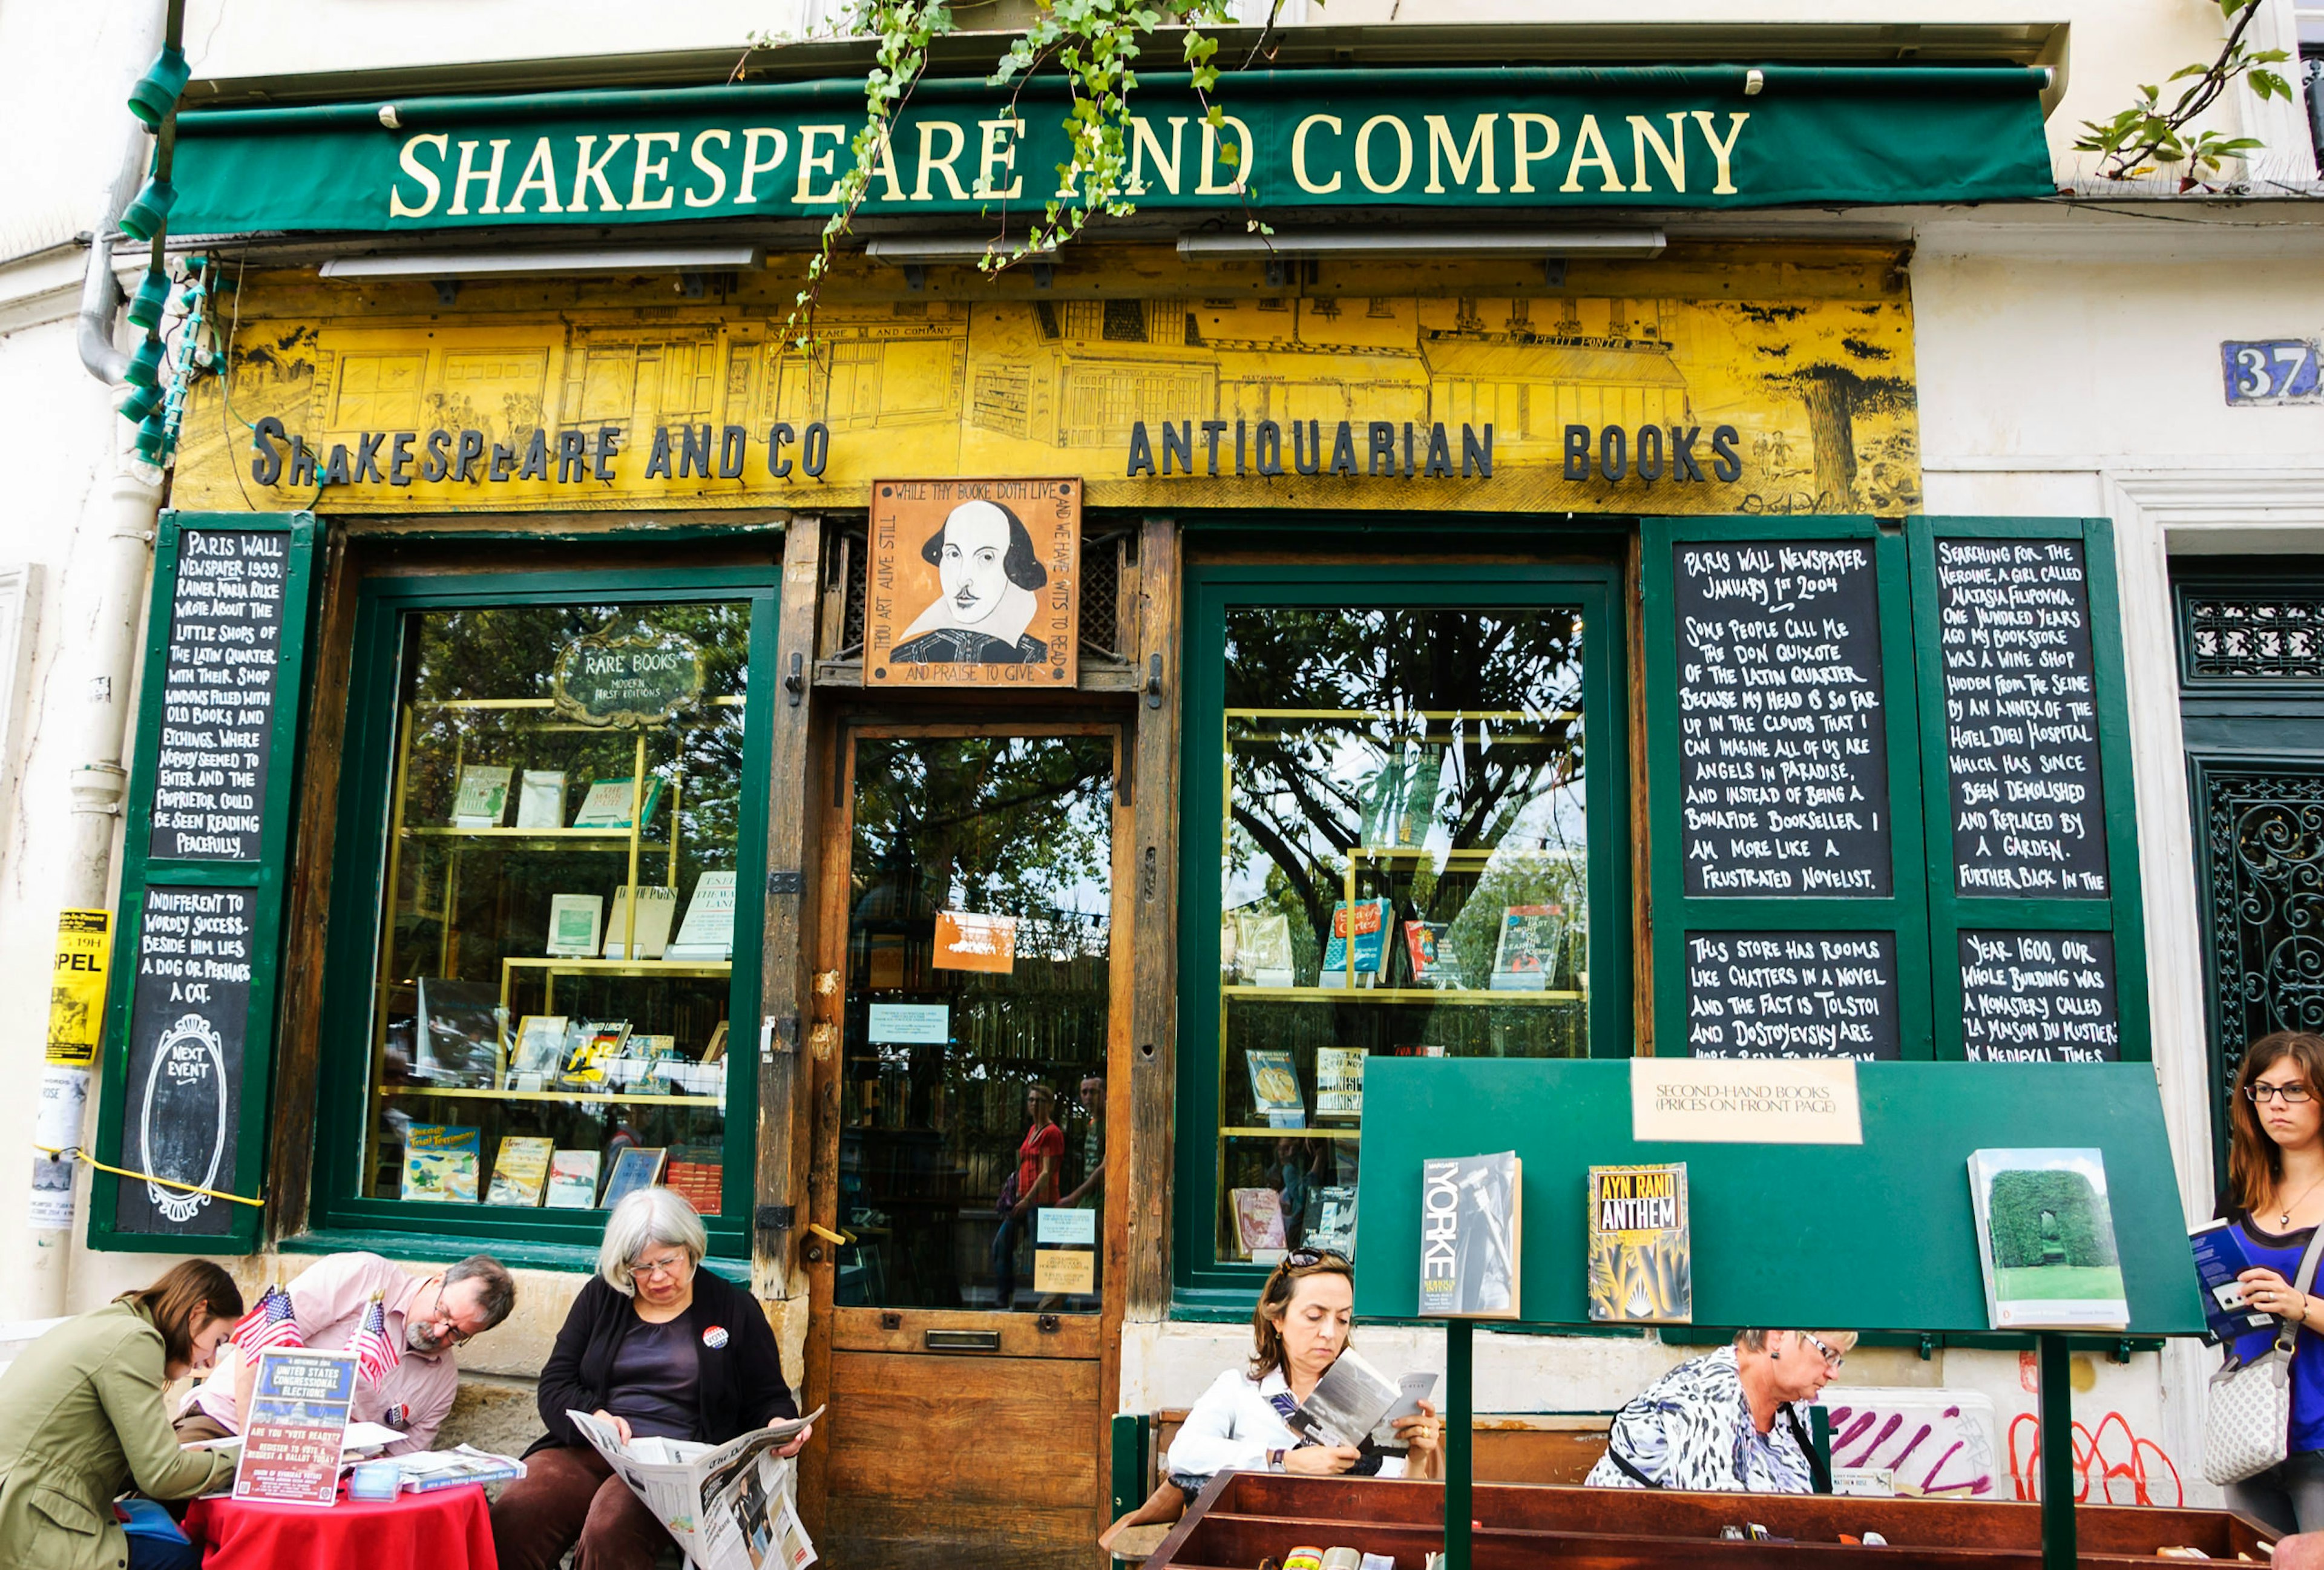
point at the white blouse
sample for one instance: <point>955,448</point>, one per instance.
<point>1234,1426</point>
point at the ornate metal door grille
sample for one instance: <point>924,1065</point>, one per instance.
<point>2263,884</point>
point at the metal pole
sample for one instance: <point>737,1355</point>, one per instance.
<point>2057,1399</point>
<point>1459,1427</point>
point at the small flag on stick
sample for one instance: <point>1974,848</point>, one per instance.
<point>271,1323</point>
<point>376,1354</point>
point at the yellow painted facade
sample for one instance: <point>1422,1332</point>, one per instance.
<point>1808,357</point>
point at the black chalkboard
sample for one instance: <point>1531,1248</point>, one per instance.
<point>1792,995</point>
<point>1782,733</point>
<point>2039,997</point>
<point>189,1022</point>
<point>2021,718</point>
<point>218,695</point>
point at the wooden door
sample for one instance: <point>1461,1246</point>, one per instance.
<point>978,958</point>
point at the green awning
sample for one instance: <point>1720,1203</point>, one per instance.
<point>1514,139</point>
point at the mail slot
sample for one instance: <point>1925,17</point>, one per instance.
<point>962,1340</point>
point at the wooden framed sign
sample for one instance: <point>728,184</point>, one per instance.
<point>974,583</point>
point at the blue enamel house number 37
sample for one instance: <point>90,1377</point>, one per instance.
<point>2269,370</point>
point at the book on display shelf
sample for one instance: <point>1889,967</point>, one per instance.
<point>1641,1264</point>
<point>1339,1082</point>
<point>459,1032</point>
<point>702,1182</point>
<point>573,925</point>
<point>482,799</point>
<point>520,1170</point>
<point>717,1048</point>
<point>1370,921</point>
<point>1471,1236</point>
<point>655,906</point>
<point>1255,948</point>
<point>1334,1227</point>
<point>635,1167</point>
<point>540,799</point>
<point>608,801</point>
<point>589,1048</point>
<point>1424,947</point>
<point>573,1181</point>
<point>1275,1089</point>
<point>2045,1239</point>
<point>1526,955</point>
<point>540,1045</point>
<point>1259,1223</point>
<point>707,933</point>
<point>439,1162</point>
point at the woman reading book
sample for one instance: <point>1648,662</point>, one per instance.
<point>1243,1421</point>
<point>2274,1201</point>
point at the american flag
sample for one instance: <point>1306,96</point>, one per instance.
<point>376,1354</point>
<point>271,1323</point>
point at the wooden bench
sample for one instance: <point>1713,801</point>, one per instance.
<point>1511,1446</point>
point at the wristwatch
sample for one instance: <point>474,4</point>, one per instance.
<point>1274,1461</point>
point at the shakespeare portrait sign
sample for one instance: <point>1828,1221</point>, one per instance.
<point>974,583</point>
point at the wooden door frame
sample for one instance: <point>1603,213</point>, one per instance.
<point>837,835</point>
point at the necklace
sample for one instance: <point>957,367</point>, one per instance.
<point>2285,1220</point>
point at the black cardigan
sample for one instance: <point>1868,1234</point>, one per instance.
<point>742,1387</point>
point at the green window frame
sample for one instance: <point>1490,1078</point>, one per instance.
<point>1204,1287</point>
<point>339,1217</point>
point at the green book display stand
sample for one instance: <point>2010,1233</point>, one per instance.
<point>1878,1236</point>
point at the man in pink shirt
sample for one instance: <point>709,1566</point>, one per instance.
<point>428,1318</point>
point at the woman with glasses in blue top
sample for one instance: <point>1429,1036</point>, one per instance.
<point>2275,1199</point>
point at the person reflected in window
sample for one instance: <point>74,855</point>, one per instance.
<point>1728,1423</point>
<point>656,1346</point>
<point>1242,1422</point>
<point>81,1418</point>
<point>2274,1202</point>
<point>1033,1185</point>
<point>991,573</point>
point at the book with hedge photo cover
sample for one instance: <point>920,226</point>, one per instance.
<point>2045,1239</point>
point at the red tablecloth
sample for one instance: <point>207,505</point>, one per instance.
<point>449,1529</point>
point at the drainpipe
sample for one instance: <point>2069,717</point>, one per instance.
<point>133,500</point>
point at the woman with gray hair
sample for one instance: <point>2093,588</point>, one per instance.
<point>655,1345</point>
<point>1726,1422</point>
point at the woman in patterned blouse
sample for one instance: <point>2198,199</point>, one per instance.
<point>1726,1423</point>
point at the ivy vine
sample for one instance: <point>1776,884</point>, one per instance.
<point>2146,134</point>
<point>1096,44</point>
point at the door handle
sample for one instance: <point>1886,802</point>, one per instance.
<point>961,1340</point>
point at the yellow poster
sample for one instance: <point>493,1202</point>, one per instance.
<point>77,988</point>
<point>1719,380</point>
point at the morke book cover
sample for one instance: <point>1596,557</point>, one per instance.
<point>1470,1234</point>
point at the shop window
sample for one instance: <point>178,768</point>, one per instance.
<point>569,825</point>
<point>1418,834</point>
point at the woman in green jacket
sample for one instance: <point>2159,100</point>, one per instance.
<point>81,1418</point>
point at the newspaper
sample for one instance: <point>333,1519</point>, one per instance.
<point>731,1506</point>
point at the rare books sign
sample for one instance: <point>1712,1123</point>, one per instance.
<point>974,583</point>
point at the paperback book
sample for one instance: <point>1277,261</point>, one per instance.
<point>1259,1221</point>
<point>1334,1226</point>
<point>1357,1404</point>
<point>540,799</point>
<point>589,1049</point>
<point>1424,947</point>
<point>637,1166</point>
<point>1470,1231</point>
<point>1641,1261</point>
<point>573,1181</point>
<point>573,921</point>
<point>2045,1239</point>
<point>482,799</point>
<point>657,907</point>
<point>540,1044</point>
<point>459,1032</point>
<point>1525,956</point>
<point>700,1182</point>
<point>520,1170</point>
<point>2219,1259</point>
<point>706,935</point>
<point>608,802</point>
<point>439,1162</point>
<point>1339,1082</point>
<point>1369,945</point>
<point>1255,948</point>
<point>1275,1089</point>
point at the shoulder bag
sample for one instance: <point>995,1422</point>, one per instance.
<point>2247,1425</point>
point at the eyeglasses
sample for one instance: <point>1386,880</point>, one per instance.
<point>2293,1094</point>
<point>444,1328</point>
<point>1300,1259</point>
<point>670,1268</point>
<point>1833,1359</point>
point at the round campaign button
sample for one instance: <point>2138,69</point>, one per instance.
<point>715,1337</point>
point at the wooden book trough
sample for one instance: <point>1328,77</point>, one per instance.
<point>1244,1517</point>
